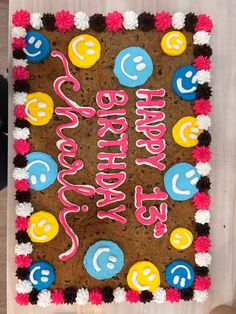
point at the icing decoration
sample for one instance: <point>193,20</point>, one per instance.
<point>18,54</point>
<point>70,295</point>
<point>19,98</point>
<point>155,144</point>
<point>154,212</point>
<point>162,21</point>
<point>43,227</point>
<point>42,170</point>
<point>159,295</point>
<point>20,173</point>
<point>204,91</point>
<point>204,139</point>
<point>44,298</point>
<point>21,86</point>
<point>22,273</point>
<point>49,21</point>
<point>19,161</point>
<point>81,20</point>
<point>142,276</point>
<point>23,260</point>
<point>95,296</point>
<point>22,298</point>
<point>159,230</point>
<point>107,295</point>
<point>202,50</point>
<point>36,20</point>
<point>181,238</point>
<point>130,21</point>
<point>203,259</point>
<point>104,259</point>
<point>202,230</point>
<point>24,196</point>
<point>119,295</point>
<point>68,148</point>
<point>18,32</point>
<point>180,181</point>
<point>180,274</point>
<point>186,131</point>
<point>114,21</point>
<point>82,297</point>
<point>20,73</point>
<point>84,51</point>
<point>37,47</point>
<point>173,43</point>
<point>19,133</point>
<point>184,82</point>
<point>20,62</point>
<point>132,296</point>
<point>187,294</point>
<point>204,122</point>
<point>97,22</point>
<point>178,20</point>
<point>21,146</point>
<point>21,223</point>
<point>42,275</point>
<point>146,296</point>
<point>202,244</point>
<point>24,209</point>
<point>202,283</point>
<point>21,18</point>
<point>203,168</point>
<point>202,106</point>
<point>146,21</point>
<point>202,63</point>
<point>133,66</point>
<point>201,153</point>
<point>64,21</point>
<point>201,200</point>
<point>200,296</point>
<point>204,23</point>
<point>173,295</point>
<point>21,236</point>
<point>202,216</point>
<point>203,76</point>
<point>18,43</point>
<point>22,185</point>
<point>19,112</point>
<point>201,38</point>
<point>23,286</point>
<point>23,248</point>
<point>190,22</point>
<point>57,296</point>
<point>108,191</point>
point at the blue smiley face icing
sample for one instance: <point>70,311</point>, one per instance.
<point>42,170</point>
<point>180,181</point>
<point>133,66</point>
<point>42,275</point>
<point>104,259</point>
<point>180,274</point>
<point>185,83</point>
<point>37,47</point>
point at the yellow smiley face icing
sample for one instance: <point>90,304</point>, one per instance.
<point>39,108</point>
<point>173,43</point>
<point>84,51</point>
<point>181,238</point>
<point>185,132</point>
<point>142,276</point>
<point>43,227</point>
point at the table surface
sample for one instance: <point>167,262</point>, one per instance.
<point>223,206</point>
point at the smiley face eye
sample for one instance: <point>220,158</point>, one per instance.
<point>38,44</point>
<point>47,227</point>
<point>188,74</point>
<point>32,40</point>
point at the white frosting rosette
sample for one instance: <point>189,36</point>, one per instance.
<point>203,122</point>
<point>24,209</point>
<point>36,20</point>
<point>178,20</point>
<point>23,248</point>
<point>119,295</point>
<point>130,21</point>
<point>82,297</point>
<point>44,298</point>
<point>203,259</point>
<point>81,20</point>
<point>159,295</point>
<point>201,38</point>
